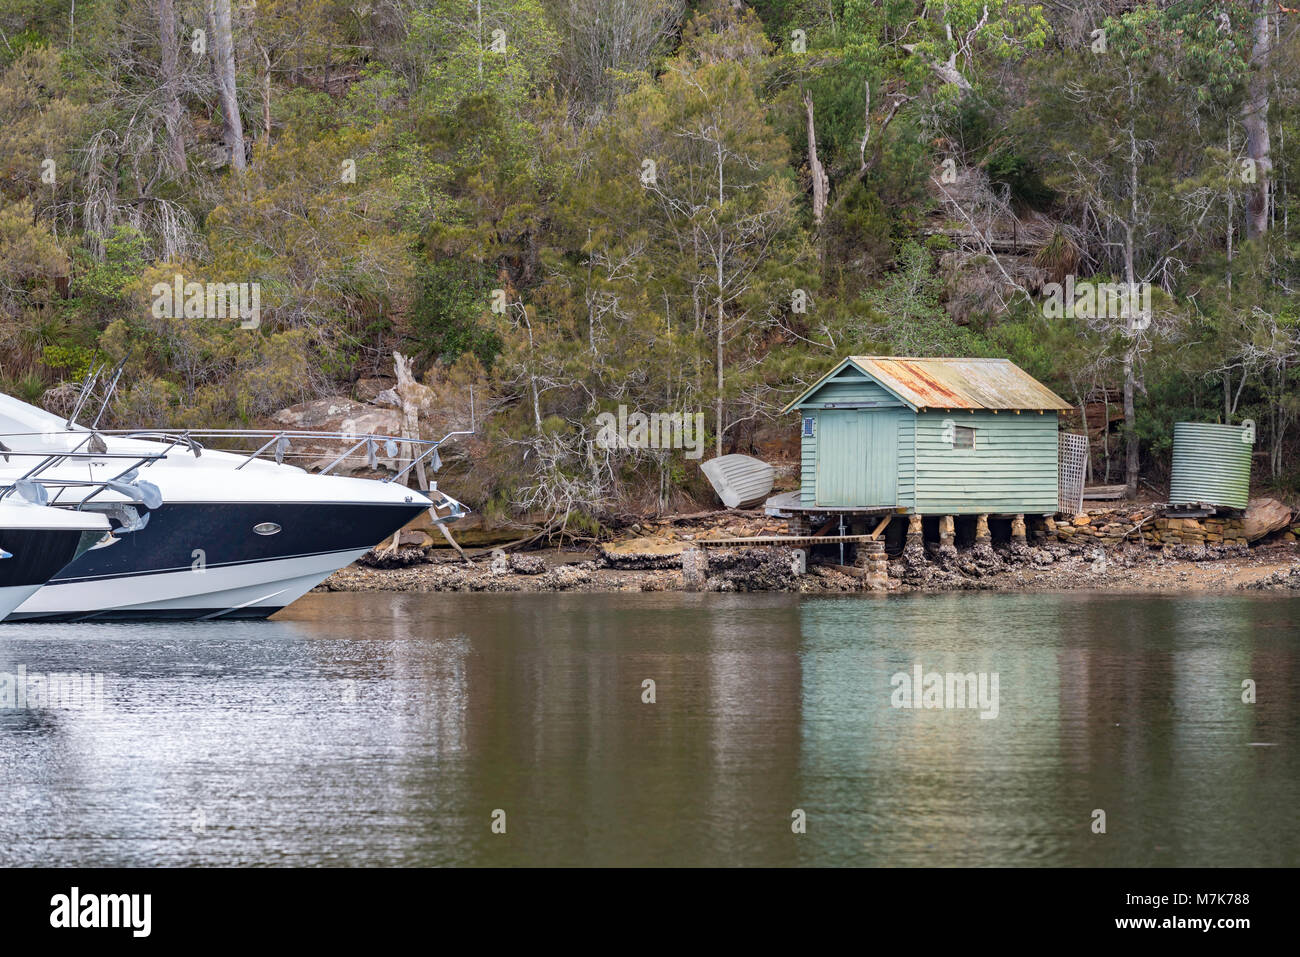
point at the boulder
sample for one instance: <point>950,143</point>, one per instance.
<point>1265,516</point>
<point>337,414</point>
<point>413,538</point>
<point>366,389</point>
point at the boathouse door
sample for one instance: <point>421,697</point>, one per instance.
<point>857,459</point>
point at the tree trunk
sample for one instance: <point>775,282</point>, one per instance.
<point>1255,119</point>
<point>721,320</point>
<point>266,95</point>
<point>1132,450</point>
<point>221,46</point>
<point>406,394</point>
<point>821,184</point>
<point>171,86</point>
<point>1232,224</point>
<point>718,254</point>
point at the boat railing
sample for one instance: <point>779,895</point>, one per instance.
<point>124,482</point>
<point>278,443</point>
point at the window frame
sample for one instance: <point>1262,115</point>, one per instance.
<point>960,430</point>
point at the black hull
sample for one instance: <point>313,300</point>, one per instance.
<point>38,554</point>
<point>179,536</point>
<point>182,537</point>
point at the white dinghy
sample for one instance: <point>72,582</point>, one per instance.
<point>741,481</point>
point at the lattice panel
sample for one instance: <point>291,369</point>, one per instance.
<point>1072,464</point>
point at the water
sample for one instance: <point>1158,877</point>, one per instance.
<point>378,729</point>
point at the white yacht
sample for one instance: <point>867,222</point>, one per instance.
<point>37,542</point>
<point>215,533</point>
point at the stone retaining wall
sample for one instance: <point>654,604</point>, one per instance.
<point>1113,528</point>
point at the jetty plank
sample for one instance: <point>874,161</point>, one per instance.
<point>1104,492</point>
<point>785,540</point>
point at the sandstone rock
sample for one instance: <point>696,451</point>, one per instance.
<point>413,538</point>
<point>645,552</point>
<point>337,414</point>
<point>1264,516</point>
<point>366,389</point>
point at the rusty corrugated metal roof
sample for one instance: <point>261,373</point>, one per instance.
<point>935,383</point>
<point>960,383</point>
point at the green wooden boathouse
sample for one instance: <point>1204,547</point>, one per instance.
<point>929,436</point>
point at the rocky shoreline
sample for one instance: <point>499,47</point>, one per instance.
<point>669,558</point>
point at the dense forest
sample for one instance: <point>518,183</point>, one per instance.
<point>557,207</point>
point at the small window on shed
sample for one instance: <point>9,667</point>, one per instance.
<point>963,438</point>
<point>809,423</point>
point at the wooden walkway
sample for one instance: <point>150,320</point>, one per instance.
<point>786,540</point>
<point>1103,493</point>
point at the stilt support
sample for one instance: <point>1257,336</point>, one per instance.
<point>1018,536</point>
<point>872,559</point>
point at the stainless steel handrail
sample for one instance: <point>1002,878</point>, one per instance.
<point>52,459</point>
<point>189,439</point>
<point>427,452</point>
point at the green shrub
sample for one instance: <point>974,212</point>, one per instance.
<point>450,316</point>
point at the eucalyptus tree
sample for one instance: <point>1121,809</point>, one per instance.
<point>1122,147</point>
<point>694,154</point>
<point>221,54</point>
<point>605,43</point>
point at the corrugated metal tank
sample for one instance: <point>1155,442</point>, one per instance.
<point>1211,464</point>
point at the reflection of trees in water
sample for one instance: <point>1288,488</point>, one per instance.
<point>767,703</point>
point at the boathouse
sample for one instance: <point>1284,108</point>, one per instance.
<point>927,437</point>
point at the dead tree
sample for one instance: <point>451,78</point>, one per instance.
<point>221,50</point>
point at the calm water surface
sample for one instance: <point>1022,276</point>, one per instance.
<point>379,729</point>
